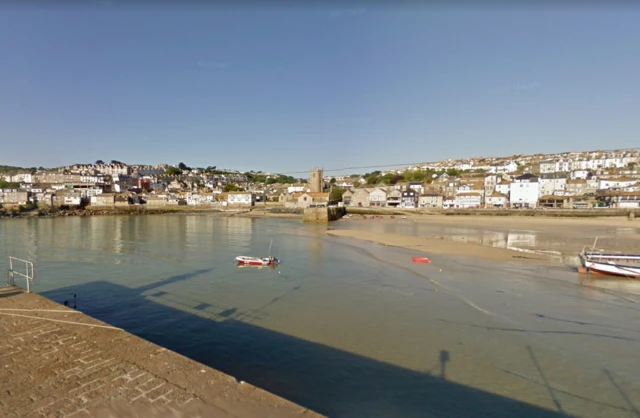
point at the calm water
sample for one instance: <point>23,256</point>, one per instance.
<point>348,328</point>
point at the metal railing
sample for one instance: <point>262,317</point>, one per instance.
<point>29,272</point>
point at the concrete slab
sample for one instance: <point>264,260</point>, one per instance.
<point>58,362</point>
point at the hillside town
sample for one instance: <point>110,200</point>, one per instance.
<point>562,181</point>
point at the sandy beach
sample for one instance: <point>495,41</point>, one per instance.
<point>528,239</point>
<point>527,222</point>
<point>438,245</point>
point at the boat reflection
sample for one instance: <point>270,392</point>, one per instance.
<point>604,282</point>
<point>249,266</point>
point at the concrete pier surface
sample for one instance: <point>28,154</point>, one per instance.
<point>58,362</point>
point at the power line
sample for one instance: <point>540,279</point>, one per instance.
<point>356,168</point>
<point>413,164</point>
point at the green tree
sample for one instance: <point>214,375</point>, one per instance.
<point>173,171</point>
<point>336,194</point>
<point>4,184</point>
<point>356,184</point>
<point>372,178</point>
<point>231,188</point>
<point>333,180</point>
<point>183,166</point>
<point>396,178</point>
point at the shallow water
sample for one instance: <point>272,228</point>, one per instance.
<point>349,328</point>
<point>561,244</point>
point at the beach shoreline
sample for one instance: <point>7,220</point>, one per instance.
<point>274,212</point>
<point>436,234</point>
<point>440,245</point>
<point>277,211</point>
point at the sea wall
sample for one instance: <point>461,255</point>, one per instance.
<point>322,215</point>
<point>86,367</point>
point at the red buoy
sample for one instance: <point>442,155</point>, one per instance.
<point>420,260</point>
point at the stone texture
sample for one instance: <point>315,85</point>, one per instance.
<point>53,368</point>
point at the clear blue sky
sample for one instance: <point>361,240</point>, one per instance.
<point>283,90</point>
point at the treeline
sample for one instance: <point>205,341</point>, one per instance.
<point>12,169</point>
<point>176,171</point>
<point>426,176</point>
<point>280,178</point>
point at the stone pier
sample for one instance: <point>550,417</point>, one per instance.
<point>58,362</point>
<point>323,215</point>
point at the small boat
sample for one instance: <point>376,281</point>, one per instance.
<point>256,261</point>
<point>627,265</point>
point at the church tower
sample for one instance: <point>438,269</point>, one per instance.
<point>315,180</point>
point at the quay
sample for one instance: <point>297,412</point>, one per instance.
<point>58,362</point>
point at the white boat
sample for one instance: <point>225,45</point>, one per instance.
<point>627,265</point>
<point>256,261</point>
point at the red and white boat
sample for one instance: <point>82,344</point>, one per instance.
<point>256,261</point>
<point>627,265</point>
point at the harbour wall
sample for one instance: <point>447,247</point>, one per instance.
<point>323,215</point>
<point>87,367</point>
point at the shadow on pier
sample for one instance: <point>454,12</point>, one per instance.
<point>327,380</point>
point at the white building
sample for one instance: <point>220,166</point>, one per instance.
<point>503,188</point>
<point>417,186</point>
<point>547,166</point>
<point>621,182</point>
<point>18,178</point>
<point>490,182</point>
<point>564,165</point>
<point>579,174</point>
<point>450,203</point>
<point>496,200</point>
<point>469,200</point>
<point>296,189</point>
<point>377,197</point>
<point>551,184</point>
<point>507,167</point>
<point>524,192</point>
<point>241,199</point>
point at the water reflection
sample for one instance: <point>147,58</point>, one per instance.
<point>346,327</point>
<point>520,240</point>
<point>117,238</point>
<point>239,230</point>
<point>620,284</point>
<point>562,245</point>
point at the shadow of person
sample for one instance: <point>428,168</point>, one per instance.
<point>444,358</point>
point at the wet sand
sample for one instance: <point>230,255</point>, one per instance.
<point>438,245</point>
<point>527,222</point>
<point>495,238</point>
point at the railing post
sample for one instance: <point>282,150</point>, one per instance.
<point>29,273</point>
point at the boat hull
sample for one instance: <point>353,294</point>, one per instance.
<point>254,261</point>
<point>600,264</point>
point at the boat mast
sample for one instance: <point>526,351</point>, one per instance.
<point>270,247</point>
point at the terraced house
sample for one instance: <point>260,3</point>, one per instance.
<point>377,197</point>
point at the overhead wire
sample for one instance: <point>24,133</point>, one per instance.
<point>422,162</point>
